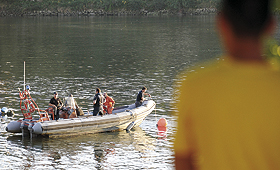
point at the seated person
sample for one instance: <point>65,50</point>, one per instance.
<point>70,102</point>
<point>109,103</point>
<point>71,106</point>
<point>56,103</point>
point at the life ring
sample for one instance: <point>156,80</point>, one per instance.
<point>27,115</point>
<point>32,109</point>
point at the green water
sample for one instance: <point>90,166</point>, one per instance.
<point>117,54</point>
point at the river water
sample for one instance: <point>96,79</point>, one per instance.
<point>117,54</point>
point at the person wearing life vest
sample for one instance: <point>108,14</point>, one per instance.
<point>108,106</point>
<point>29,106</point>
<point>98,103</point>
<point>56,103</point>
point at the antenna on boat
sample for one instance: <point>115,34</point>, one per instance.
<point>23,75</point>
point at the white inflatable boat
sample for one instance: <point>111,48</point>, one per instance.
<point>122,118</point>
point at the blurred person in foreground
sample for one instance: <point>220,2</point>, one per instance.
<point>229,111</point>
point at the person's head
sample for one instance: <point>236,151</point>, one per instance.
<point>70,95</point>
<point>144,89</point>
<point>98,90</point>
<point>247,18</point>
<point>55,94</point>
<point>105,94</point>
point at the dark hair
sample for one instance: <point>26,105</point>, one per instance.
<point>98,90</point>
<point>144,88</point>
<point>247,17</point>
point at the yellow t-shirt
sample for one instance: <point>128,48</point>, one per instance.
<point>229,112</point>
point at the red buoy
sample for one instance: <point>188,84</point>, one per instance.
<point>162,122</point>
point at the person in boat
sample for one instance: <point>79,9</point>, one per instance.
<point>56,103</point>
<point>109,103</point>
<point>71,106</point>
<point>228,112</point>
<point>98,103</point>
<point>71,102</point>
<point>140,97</point>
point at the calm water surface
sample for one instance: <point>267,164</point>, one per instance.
<point>117,54</point>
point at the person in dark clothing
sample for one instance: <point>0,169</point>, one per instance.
<point>98,103</point>
<point>140,97</point>
<point>56,103</point>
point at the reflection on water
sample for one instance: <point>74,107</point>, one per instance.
<point>110,150</point>
<point>117,54</point>
<point>138,149</point>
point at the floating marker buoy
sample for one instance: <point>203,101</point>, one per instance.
<point>162,122</point>
<point>161,126</point>
<point>162,129</point>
